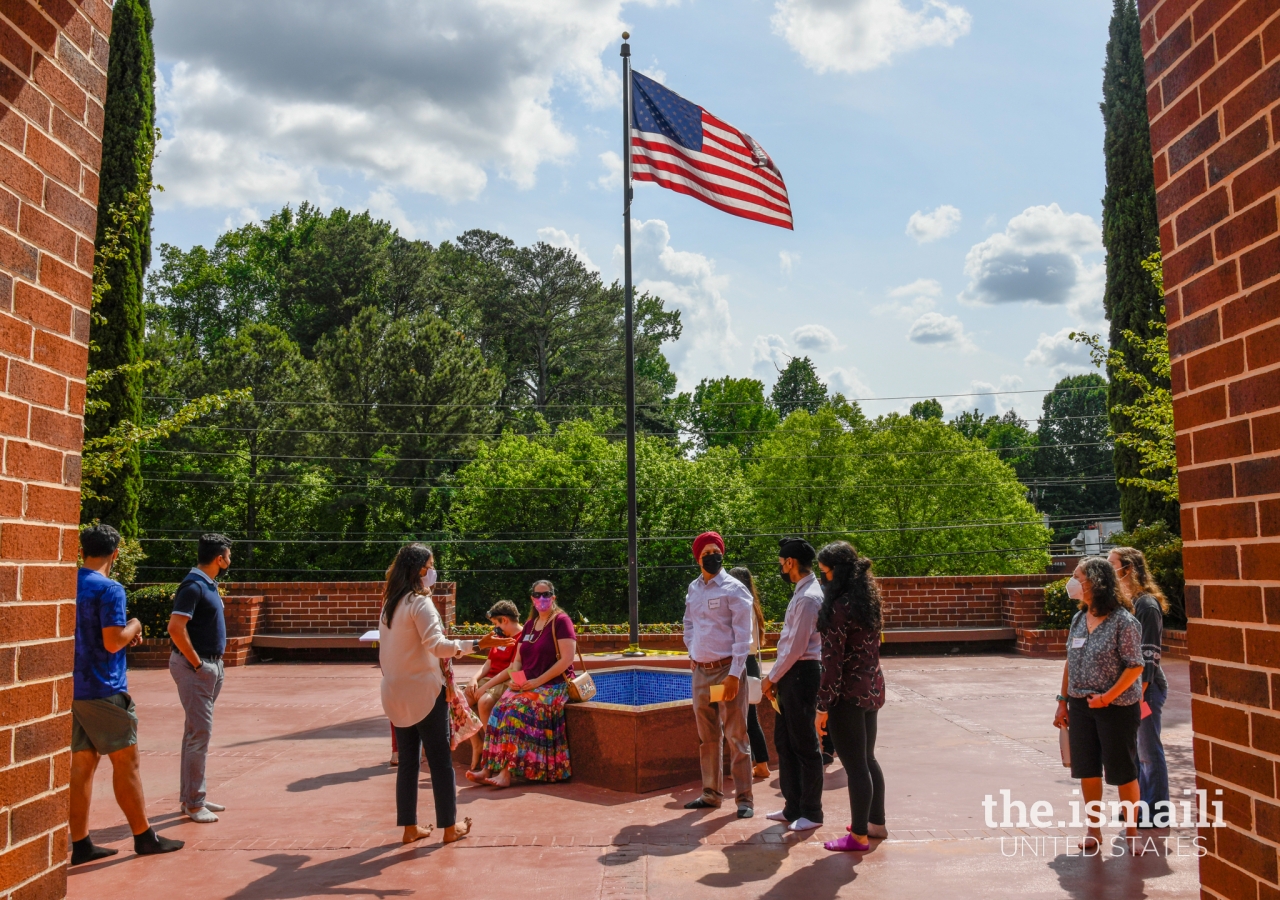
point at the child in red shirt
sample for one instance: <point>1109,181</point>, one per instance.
<point>491,682</point>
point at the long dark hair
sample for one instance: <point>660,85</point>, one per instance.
<point>402,577</point>
<point>743,574</point>
<point>851,584</point>
<point>1106,596</point>
<point>1133,558</point>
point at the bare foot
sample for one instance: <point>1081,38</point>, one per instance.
<point>416,833</point>
<point>1092,841</point>
<point>476,776</point>
<point>457,832</point>
<point>877,831</point>
<point>501,780</point>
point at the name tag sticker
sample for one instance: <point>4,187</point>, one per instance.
<point>1076,643</point>
<point>714,603</point>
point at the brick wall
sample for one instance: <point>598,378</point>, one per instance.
<point>328,607</point>
<point>1213,81</point>
<point>955,601</point>
<point>53,59</point>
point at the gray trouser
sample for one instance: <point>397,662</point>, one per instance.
<point>717,723</point>
<point>197,689</point>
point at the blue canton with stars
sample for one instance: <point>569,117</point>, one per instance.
<point>655,108</point>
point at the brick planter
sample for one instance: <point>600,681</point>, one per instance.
<point>153,653</point>
<point>1050,643</point>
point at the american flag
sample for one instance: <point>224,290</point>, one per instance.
<point>681,146</point>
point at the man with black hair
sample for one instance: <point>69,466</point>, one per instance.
<point>103,719</point>
<point>794,680</point>
<point>199,635</point>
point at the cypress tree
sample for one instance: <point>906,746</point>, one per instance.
<point>1130,233</point>
<point>128,141</point>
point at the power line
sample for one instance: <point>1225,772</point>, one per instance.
<point>614,462</point>
<point>194,532</point>
<point>687,566</point>
<point>1063,482</point>
<point>651,405</point>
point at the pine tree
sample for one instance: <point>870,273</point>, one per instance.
<point>1130,233</point>
<point>798,387</point>
<point>128,142</point>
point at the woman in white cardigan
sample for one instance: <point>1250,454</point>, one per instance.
<point>411,646</point>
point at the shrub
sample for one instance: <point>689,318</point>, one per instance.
<point>152,605</point>
<point>1163,550</point>
<point>1058,607</point>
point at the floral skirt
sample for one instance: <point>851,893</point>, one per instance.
<point>526,734</point>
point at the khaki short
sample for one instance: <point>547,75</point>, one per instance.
<point>495,693</point>
<point>104,726</point>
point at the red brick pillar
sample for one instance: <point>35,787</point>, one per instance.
<point>53,63</point>
<point>1213,81</point>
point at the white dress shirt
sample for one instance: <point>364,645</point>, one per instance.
<point>717,621</point>
<point>409,652</point>
<point>800,638</point>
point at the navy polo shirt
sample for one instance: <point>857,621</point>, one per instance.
<point>199,601</point>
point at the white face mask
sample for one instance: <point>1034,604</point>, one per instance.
<point>1075,590</point>
<point>429,579</point>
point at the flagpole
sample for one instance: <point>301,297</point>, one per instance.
<point>633,570</point>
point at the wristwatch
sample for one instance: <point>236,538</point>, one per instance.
<point>1062,699</point>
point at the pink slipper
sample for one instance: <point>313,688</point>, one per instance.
<point>847,843</point>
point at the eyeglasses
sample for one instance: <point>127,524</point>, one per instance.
<point>541,595</point>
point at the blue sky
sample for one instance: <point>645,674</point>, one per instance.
<point>944,162</point>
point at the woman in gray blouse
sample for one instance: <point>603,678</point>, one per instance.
<point>1101,693</point>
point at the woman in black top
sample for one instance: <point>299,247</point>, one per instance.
<point>852,688</point>
<point>1149,607</point>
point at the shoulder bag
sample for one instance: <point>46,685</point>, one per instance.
<point>581,688</point>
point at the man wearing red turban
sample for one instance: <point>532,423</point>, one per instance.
<point>717,631</point>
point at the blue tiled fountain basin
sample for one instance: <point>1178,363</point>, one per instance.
<point>641,687</point>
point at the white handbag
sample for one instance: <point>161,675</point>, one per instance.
<point>1064,745</point>
<point>754,693</point>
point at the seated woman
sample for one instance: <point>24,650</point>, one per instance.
<point>526,734</point>
<point>491,681</point>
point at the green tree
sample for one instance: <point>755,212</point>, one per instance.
<point>925,410</point>
<point>1074,468</point>
<point>730,412</point>
<point>1008,435</point>
<point>798,387</point>
<point>1130,234</point>
<point>554,505</point>
<point>915,495</point>
<point>128,144</point>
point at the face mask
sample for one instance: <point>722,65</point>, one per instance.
<point>712,562</point>
<point>782,573</point>
<point>1075,590</point>
<point>428,580</point>
<point>543,604</point>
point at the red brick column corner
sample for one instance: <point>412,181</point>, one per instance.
<point>1213,83</point>
<point>53,65</point>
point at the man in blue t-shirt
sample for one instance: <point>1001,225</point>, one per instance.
<point>199,635</point>
<point>103,719</point>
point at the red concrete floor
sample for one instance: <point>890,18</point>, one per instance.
<point>300,760</point>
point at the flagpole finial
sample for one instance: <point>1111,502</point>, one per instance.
<point>626,35</point>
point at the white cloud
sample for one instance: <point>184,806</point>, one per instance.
<point>1040,258</point>
<point>937,329</point>
<point>924,227</point>
<point>611,180</point>
<point>910,301</point>
<point>860,35</point>
<point>769,354</point>
<point>267,102</point>
<point>986,397</point>
<point>1060,355</point>
<point>787,259</point>
<point>921,287</point>
<point>818,338</point>
<point>383,204</point>
<point>848,381</point>
<point>559,238</point>
<point>687,281</point>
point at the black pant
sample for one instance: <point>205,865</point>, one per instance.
<point>796,740</point>
<point>854,731</point>
<point>759,746</point>
<point>433,733</point>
